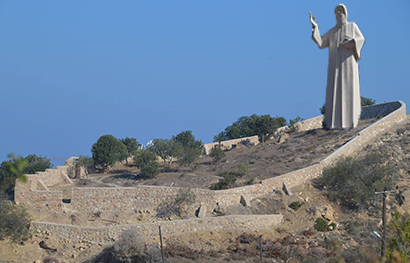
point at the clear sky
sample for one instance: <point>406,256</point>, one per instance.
<point>71,71</point>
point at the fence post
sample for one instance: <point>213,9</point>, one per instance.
<point>162,248</point>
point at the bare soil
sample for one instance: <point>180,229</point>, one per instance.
<point>300,150</point>
<point>290,240</point>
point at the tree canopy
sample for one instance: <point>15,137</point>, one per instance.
<point>246,126</point>
<point>108,150</point>
<point>166,149</point>
<point>191,148</point>
<point>146,161</point>
<point>132,146</point>
<point>29,165</point>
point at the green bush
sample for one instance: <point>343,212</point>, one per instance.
<point>217,154</point>
<point>352,182</point>
<point>246,126</point>
<point>323,225</point>
<point>293,124</point>
<point>366,101</point>
<point>398,237</point>
<point>14,221</point>
<point>149,171</point>
<point>190,148</point>
<point>225,183</point>
<point>16,167</point>
<point>296,205</point>
<point>146,161</point>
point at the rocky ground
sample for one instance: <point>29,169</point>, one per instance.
<point>278,156</point>
<point>293,241</point>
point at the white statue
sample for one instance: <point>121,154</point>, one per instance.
<point>345,42</point>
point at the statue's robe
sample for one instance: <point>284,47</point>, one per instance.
<point>342,92</point>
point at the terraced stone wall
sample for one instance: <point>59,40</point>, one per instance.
<point>110,234</point>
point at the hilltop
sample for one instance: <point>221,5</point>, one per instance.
<point>294,237</point>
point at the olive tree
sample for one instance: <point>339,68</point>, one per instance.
<point>191,148</point>
<point>108,150</point>
<point>132,146</point>
<point>146,161</point>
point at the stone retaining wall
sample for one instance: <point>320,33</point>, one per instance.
<point>227,145</point>
<point>110,234</point>
<point>310,124</point>
<point>38,198</point>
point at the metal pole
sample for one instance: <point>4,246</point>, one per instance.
<point>162,248</point>
<point>383,252</point>
<point>384,219</point>
<point>260,245</point>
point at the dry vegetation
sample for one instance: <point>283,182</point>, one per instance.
<point>295,240</point>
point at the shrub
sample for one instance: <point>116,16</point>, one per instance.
<point>247,126</point>
<point>352,182</point>
<point>293,124</point>
<point>190,148</point>
<point>179,205</point>
<point>217,154</point>
<point>146,161</point>
<point>129,247</point>
<point>296,205</point>
<point>225,183</point>
<point>149,171</point>
<point>399,237</point>
<point>14,221</point>
<point>366,101</point>
<point>323,225</point>
<point>17,167</point>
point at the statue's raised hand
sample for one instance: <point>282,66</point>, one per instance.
<point>312,20</point>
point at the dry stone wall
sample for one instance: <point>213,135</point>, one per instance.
<point>29,193</point>
<point>227,145</point>
<point>110,234</point>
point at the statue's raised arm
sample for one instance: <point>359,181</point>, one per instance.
<point>313,21</point>
<point>315,32</point>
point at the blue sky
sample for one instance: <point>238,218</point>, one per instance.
<point>71,71</point>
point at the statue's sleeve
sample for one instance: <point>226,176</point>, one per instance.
<point>321,41</point>
<point>359,41</point>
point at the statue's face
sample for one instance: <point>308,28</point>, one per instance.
<point>340,17</point>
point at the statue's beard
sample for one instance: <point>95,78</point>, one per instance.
<point>341,21</point>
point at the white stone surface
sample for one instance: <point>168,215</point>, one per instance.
<point>345,42</point>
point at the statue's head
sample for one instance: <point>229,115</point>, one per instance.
<point>341,14</point>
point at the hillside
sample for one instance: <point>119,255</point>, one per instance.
<point>294,239</point>
<point>299,150</point>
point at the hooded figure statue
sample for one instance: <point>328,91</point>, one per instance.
<point>345,42</point>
